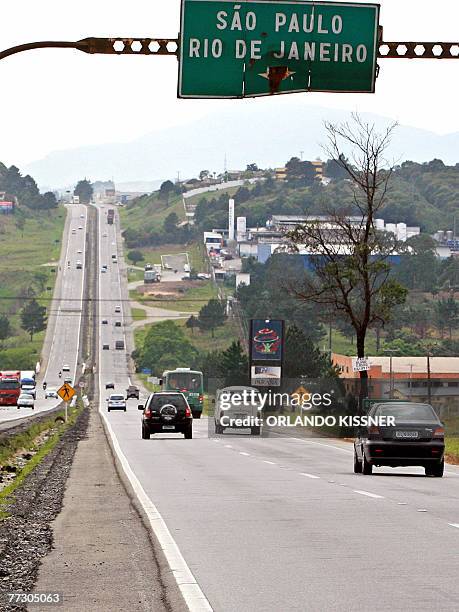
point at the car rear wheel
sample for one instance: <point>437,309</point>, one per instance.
<point>436,470</point>
<point>196,415</point>
<point>218,428</point>
<point>108,409</point>
<point>145,434</point>
<point>188,433</point>
<point>357,464</point>
<point>367,468</point>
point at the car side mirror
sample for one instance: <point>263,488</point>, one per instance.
<point>213,400</point>
<point>106,399</point>
<point>140,407</point>
<point>160,382</point>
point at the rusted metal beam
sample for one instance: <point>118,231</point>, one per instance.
<point>419,50</point>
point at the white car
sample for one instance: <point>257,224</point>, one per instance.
<point>25,400</point>
<point>238,407</point>
<point>104,235</point>
<point>79,251</point>
<point>80,227</point>
<point>116,402</point>
<point>81,216</point>
<point>117,308</point>
<point>65,368</point>
<point>103,270</point>
<point>51,393</point>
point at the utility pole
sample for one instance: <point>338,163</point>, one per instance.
<point>429,389</point>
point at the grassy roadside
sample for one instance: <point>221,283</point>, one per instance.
<point>30,245</point>
<point>191,300</point>
<point>26,442</point>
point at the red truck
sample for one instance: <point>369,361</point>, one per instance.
<point>10,387</point>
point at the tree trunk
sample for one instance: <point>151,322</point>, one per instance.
<point>378,339</point>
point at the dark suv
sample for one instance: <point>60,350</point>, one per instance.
<point>166,412</point>
<point>132,391</point>
<point>416,438</point>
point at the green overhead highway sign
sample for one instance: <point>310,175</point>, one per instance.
<point>264,47</point>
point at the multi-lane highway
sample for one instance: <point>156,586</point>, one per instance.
<point>279,523</point>
<point>65,315</point>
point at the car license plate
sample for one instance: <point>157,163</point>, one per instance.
<point>240,416</point>
<point>406,434</point>
<point>168,426</point>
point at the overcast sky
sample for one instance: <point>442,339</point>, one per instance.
<point>59,99</point>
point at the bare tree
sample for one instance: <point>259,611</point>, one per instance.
<point>350,255</point>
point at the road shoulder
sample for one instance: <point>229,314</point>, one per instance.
<point>102,555</point>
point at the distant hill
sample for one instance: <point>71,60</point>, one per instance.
<point>252,133</point>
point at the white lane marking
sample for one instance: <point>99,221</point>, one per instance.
<point>194,598</point>
<point>245,454</point>
<point>367,494</point>
<point>269,462</point>
<point>228,446</point>
<point>310,476</point>
<point>456,525</point>
<point>402,504</point>
<point>343,450</point>
<point>421,510</point>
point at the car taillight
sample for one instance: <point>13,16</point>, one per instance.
<point>187,411</point>
<point>147,413</point>
<point>439,432</point>
<point>373,431</point>
<point>201,398</point>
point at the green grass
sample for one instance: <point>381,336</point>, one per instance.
<point>153,210</point>
<point>209,195</point>
<point>24,254</point>
<point>134,275</point>
<point>138,314</point>
<point>344,346</point>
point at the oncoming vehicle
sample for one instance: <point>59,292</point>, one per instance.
<point>190,383</point>
<point>238,408</point>
<point>10,388</point>
<point>416,439</point>
<point>168,413</point>
<point>28,385</point>
<point>26,400</point>
<point>51,393</point>
<point>116,402</point>
<point>66,368</point>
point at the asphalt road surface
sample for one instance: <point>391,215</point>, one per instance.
<point>282,523</point>
<point>64,318</point>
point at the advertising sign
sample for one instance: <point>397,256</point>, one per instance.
<point>265,376</point>
<point>266,341</point>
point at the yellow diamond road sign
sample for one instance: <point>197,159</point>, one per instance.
<point>66,392</point>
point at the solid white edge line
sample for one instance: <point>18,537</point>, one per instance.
<point>367,494</point>
<point>269,462</point>
<point>456,525</point>
<point>310,476</point>
<point>194,598</point>
<point>245,454</point>
<point>190,589</point>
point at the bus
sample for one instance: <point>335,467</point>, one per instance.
<point>190,383</point>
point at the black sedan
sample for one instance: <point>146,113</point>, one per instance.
<point>167,413</point>
<point>417,438</point>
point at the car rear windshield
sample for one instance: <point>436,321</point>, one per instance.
<point>117,398</point>
<point>158,401</point>
<point>185,380</point>
<point>407,412</point>
<point>9,384</point>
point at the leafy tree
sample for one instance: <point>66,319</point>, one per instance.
<point>212,315</point>
<point>302,358</point>
<point>300,171</point>
<point>49,200</point>
<point>165,347</point>
<point>192,323</point>
<point>447,315</point>
<point>135,256</point>
<point>334,169</point>
<point>170,223</point>
<point>166,189</point>
<point>203,175</point>
<point>233,365</point>
<point>5,329</point>
<point>33,318</point>
<point>84,191</point>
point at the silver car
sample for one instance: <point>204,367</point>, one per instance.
<point>116,402</point>
<point>238,408</point>
<point>25,400</point>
